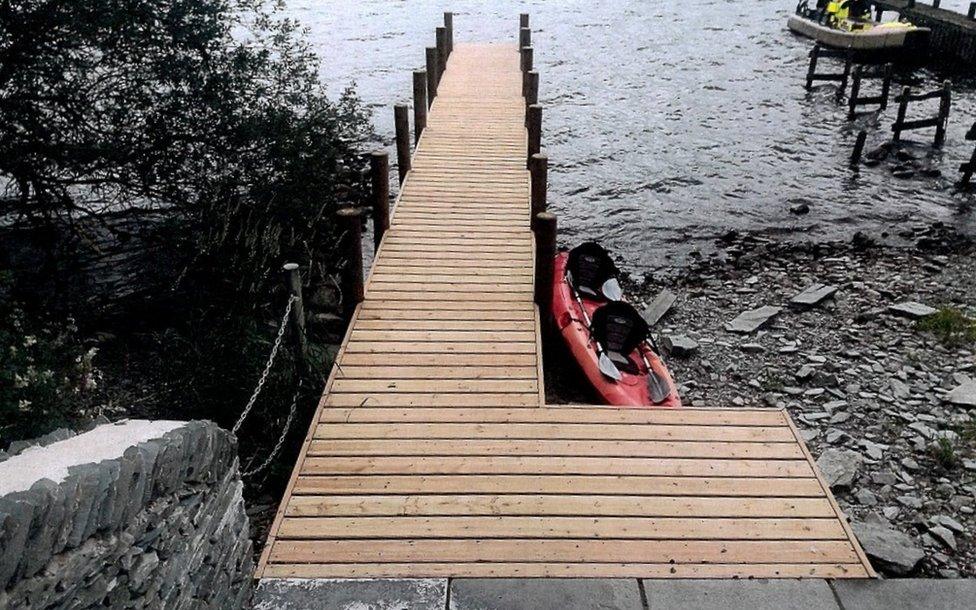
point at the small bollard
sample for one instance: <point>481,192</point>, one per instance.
<point>441,39</point>
<point>433,74</point>
<point>350,225</point>
<point>545,252</point>
<point>401,121</point>
<point>525,37</point>
<point>449,28</point>
<point>379,166</point>
<point>539,176</point>
<point>419,103</point>
<point>293,284</point>
<point>534,118</point>
<point>862,137</point>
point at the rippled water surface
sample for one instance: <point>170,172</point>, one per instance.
<point>666,124</point>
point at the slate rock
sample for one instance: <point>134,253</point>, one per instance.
<point>912,309</point>
<point>753,319</point>
<point>963,395</point>
<point>813,295</point>
<point>943,535</point>
<point>680,345</point>
<point>658,307</point>
<point>839,467</point>
<point>892,552</point>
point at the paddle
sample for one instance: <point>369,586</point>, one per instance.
<point>657,387</point>
<point>607,367</point>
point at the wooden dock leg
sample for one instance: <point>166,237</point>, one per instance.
<point>972,11</point>
<point>539,173</point>
<point>902,110</point>
<point>945,102</point>
<point>545,253</point>
<point>535,130</point>
<point>433,74</point>
<point>525,37</point>
<point>855,92</point>
<point>419,103</point>
<point>525,57</point>
<point>523,20</point>
<point>379,165</point>
<point>886,86</point>
<point>844,77</point>
<point>293,283</point>
<point>812,69</point>
<point>449,29</point>
<point>862,137</point>
<point>531,90</point>
<point>441,37</point>
<point>351,252</point>
<point>401,121</point>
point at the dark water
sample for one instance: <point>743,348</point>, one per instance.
<point>666,124</point>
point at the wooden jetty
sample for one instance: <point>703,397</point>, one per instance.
<point>953,41</point>
<point>433,453</point>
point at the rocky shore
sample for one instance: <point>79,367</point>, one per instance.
<point>871,349</point>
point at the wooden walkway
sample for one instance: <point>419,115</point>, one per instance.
<point>433,454</point>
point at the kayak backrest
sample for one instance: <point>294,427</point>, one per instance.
<point>588,268</point>
<point>620,329</point>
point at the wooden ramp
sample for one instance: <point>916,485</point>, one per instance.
<point>433,454</point>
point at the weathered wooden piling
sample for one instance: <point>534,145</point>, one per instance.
<point>535,130</point>
<point>940,121</point>
<point>972,11</point>
<point>523,20</point>
<point>349,222</point>
<point>419,103</point>
<point>433,74</point>
<point>293,284</point>
<point>401,123</point>
<point>818,52</point>
<point>525,37</point>
<point>545,251</point>
<point>856,99</point>
<point>525,59</point>
<point>379,165</point>
<point>539,176</point>
<point>862,137</point>
<point>449,29</point>
<point>441,39</point>
<point>531,89</point>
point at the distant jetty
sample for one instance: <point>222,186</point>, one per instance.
<point>953,40</point>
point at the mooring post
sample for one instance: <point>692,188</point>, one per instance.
<point>539,175</point>
<point>525,58</point>
<point>351,251</point>
<point>936,3</point>
<point>972,10</point>
<point>525,37</point>
<point>433,74</point>
<point>293,284</point>
<point>945,102</point>
<point>401,122</point>
<point>379,166</point>
<point>886,86</point>
<point>862,137</point>
<point>532,90</point>
<point>845,76</point>
<point>545,253</point>
<point>968,169</point>
<point>535,130</point>
<point>812,70</point>
<point>902,110</point>
<point>855,92</point>
<point>419,103</point>
<point>523,20</point>
<point>441,38</point>
<point>449,28</point>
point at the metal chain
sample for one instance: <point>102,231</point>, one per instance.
<point>281,439</point>
<point>267,367</point>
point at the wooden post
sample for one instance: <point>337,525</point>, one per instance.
<point>293,284</point>
<point>351,250</point>
<point>449,28</point>
<point>535,130</point>
<point>419,103</point>
<point>839,95</point>
<point>968,169</point>
<point>379,166</point>
<point>855,91</point>
<point>902,110</point>
<point>936,3</point>
<point>441,38</point>
<point>911,4</point>
<point>525,37</point>
<point>879,13</point>
<point>812,70</point>
<point>523,20</point>
<point>539,175</point>
<point>886,86</point>
<point>545,253</point>
<point>945,102</point>
<point>525,57</point>
<point>401,121</point>
<point>972,10</point>
<point>433,74</point>
<point>862,137</point>
<point>531,89</point>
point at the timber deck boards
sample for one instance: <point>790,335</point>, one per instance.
<point>433,454</point>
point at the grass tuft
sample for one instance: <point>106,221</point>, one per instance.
<point>951,325</point>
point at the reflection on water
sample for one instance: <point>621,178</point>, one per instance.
<point>666,124</point>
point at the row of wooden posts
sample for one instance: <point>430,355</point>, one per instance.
<point>425,85</point>
<point>971,13</point>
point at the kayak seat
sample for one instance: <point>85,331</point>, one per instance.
<point>620,329</point>
<point>589,268</point>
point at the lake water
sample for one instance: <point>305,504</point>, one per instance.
<point>666,124</point>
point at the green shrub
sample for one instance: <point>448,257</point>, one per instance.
<point>951,325</point>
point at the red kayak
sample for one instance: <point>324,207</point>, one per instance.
<point>605,331</point>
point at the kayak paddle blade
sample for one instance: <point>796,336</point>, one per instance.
<point>657,387</point>
<point>612,290</point>
<point>608,368</point>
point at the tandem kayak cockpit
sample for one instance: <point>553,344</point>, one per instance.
<point>606,335</point>
<point>847,24</point>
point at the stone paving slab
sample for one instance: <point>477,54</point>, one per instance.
<point>332,594</point>
<point>740,594</point>
<point>906,594</point>
<point>545,594</point>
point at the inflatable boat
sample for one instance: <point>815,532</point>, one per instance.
<point>607,336</point>
<point>861,35</point>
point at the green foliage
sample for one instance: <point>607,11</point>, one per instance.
<point>944,453</point>
<point>45,372</point>
<point>951,325</point>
